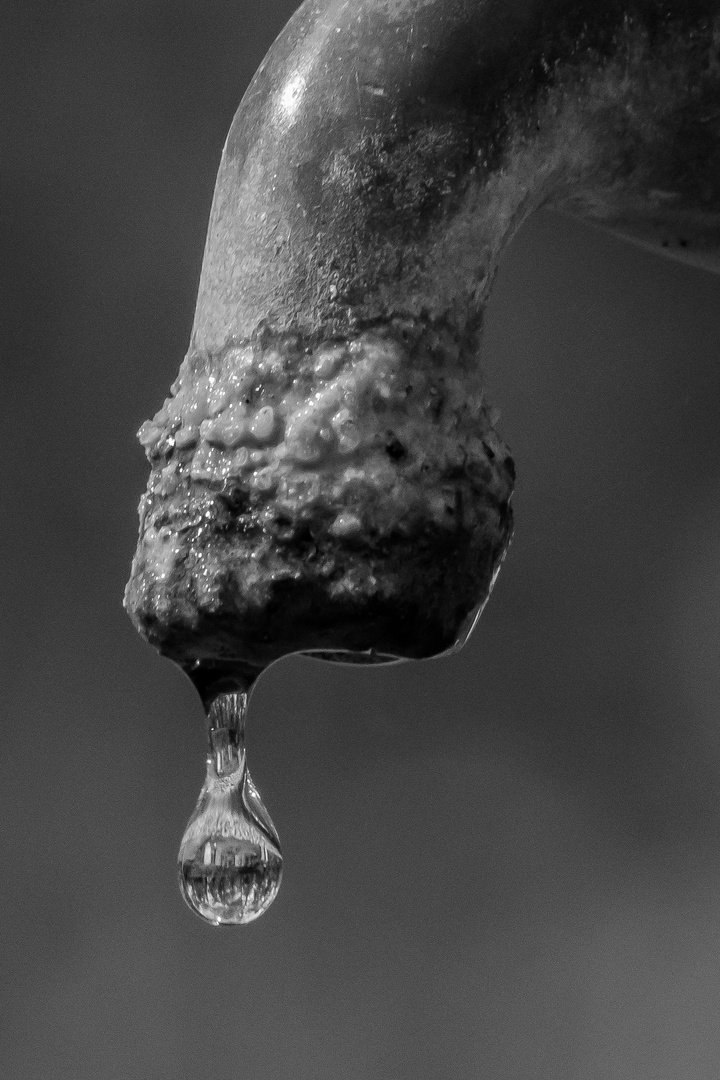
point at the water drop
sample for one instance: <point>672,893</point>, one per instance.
<point>230,864</point>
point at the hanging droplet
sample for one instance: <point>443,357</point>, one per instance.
<point>229,862</point>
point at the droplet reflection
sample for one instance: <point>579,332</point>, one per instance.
<point>230,864</point>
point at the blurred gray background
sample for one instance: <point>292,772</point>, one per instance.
<point>505,864</point>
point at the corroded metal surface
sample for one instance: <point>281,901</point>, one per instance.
<point>383,156</point>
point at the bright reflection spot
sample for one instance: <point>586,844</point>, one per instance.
<point>291,95</point>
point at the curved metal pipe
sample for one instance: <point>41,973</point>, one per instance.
<point>387,150</point>
<point>383,156</point>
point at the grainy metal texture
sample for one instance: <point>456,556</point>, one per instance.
<point>386,152</point>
